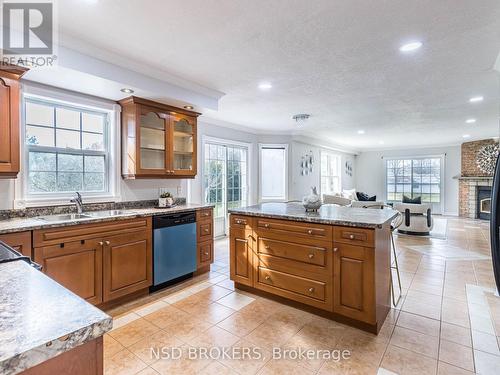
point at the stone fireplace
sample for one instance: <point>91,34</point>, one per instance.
<point>474,183</point>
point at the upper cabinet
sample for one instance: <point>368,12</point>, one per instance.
<point>158,141</point>
<point>9,120</point>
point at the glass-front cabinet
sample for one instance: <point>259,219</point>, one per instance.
<point>158,141</point>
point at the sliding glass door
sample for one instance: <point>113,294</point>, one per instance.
<point>225,180</point>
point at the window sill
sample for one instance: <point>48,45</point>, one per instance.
<point>62,201</point>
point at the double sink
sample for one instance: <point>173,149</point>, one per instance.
<point>83,216</point>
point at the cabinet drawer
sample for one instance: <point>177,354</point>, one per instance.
<point>205,230</point>
<point>290,283</point>
<point>205,253</point>
<point>205,214</point>
<point>302,253</point>
<point>283,229</point>
<point>240,222</point>
<point>355,236</point>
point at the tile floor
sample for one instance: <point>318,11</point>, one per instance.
<point>447,322</point>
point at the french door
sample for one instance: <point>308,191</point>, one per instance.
<point>225,176</point>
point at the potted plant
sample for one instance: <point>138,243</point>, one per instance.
<point>166,200</point>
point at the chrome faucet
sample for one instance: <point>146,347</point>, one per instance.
<point>78,201</point>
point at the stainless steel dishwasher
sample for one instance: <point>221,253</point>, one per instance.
<point>174,247</point>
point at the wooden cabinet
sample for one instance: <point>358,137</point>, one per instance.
<point>158,141</point>
<point>127,264</point>
<point>20,241</point>
<point>354,282</point>
<point>99,262</point>
<point>9,121</point>
<point>241,243</point>
<point>205,240</point>
<point>77,265</point>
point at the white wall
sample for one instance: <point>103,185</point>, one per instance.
<point>370,172</point>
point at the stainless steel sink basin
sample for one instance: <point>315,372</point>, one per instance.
<point>64,217</point>
<point>109,213</point>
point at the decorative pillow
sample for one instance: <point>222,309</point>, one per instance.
<point>363,197</point>
<point>350,194</point>
<point>372,199</point>
<point>416,200</point>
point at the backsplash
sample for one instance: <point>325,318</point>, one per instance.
<point>71,208</point>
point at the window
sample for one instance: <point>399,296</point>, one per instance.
<point>273,180</point>
<point>330,173</point>
<point>416,177</point>
<point>66,148</point>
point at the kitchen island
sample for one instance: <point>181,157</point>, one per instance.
<point>334,262</point>
<point>46,329</point>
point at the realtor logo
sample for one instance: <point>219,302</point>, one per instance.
<point>27,28</point>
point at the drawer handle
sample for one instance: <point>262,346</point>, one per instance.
<point>241,240</point>
<point>101,243</point>
<point>310,231</point>
<point>311,290</point>
<point>206,214</point>
<point>351,236</point>
<point>311,256</point>
<point>335,249</point>
<point>238,221</point>
<point>268,277</point>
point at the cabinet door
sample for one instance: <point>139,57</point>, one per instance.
<point>205,253</point>
<point>241,256</point>
<point>75,265</point>
<point>354,282</point>
<point>127,264</point>
<point>20,241</point>
<point>152,146</point>
<point>183,147</point>
<point>9,126</point>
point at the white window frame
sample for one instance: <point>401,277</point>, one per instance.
<point>273,145</point>
<point>339,166</point>
<point>42,93</point>
<point>442,192</point>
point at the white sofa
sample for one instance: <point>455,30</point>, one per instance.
<point>343,201</point>
<point>417,218</point>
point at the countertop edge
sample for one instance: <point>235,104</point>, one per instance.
<point>159,211</point>
<point>43,352</point>
<point>356,224</point>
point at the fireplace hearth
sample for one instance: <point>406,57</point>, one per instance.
<point>483,202</point>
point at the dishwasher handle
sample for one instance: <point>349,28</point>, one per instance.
<point>171,220</point>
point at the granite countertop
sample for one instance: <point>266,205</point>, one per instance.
<point>32,223</point>
<point>40,319</point>
<point>327,214</point>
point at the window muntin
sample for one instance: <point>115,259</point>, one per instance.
<point>330,173</point>
<point>66,148</point>
<point>414,178</point>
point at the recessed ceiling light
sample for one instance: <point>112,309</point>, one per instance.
<point>476,99</point>
<point>265,86</point>
<point>471,121</point>
<point>466,136</point>
<point>361,132</point>
<point>127,91</point>
<point>188,107</point>
<point>409,47</point>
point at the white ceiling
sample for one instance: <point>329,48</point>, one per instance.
<point>337,60</point>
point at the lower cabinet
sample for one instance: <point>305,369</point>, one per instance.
<point>98,262</point>
<point>241,256</point>
<point>127,264</point>
<point>20,241</point>
<point>205,253</point>
<point>75,265</point>
<point>354,282</point>
<point>204,239</point>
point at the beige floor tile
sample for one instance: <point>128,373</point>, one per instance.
<point>456,334</point>
<point>247,364</point>
<point>447,369</point>
<point>456,316</point>
<point>214,337</point>
<point>485,342</point>
<point>415,341</point>
<point>217,368</point>
<point>185,365</point>
<point>348,367</point>
<point>227,283</point>
<point>150,308</point>
<point>124,320</point>
<point>133,332</point>
<point>268,336</point>
<point>123,363</point>
<point>418,323</point>
<point>405,362</point>
<point>486,363</point>
<point>240,323</point>
<point>166,316</point>
<point>235,300</point>
<point>188,328</point>
<point>149,348</point>
<point>213,313</point>
<point>284,367</point>
<point>417,307</point>
<point>456,355</point>
<point>214,292</point>
<point>147,371</point>
<point>111,346</point>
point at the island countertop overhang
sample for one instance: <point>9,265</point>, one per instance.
<point>327,214</point>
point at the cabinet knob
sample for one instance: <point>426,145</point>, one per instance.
<point>268,277</point>
<point>206,230</point>
<point>208,214</point>
<point>206,252</point>
<point>335,249</point>
<point>310,231</point>
<point>351,236</point>
<point>237,221</point>
<point>100,243</point>
<point>267,225</point>
<point>107,243</point>
<point>311,256</point>
<point>267,247</point>
<point>311,290</point>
